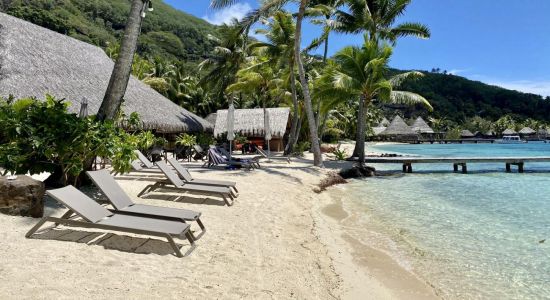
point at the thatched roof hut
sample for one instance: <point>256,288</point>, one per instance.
<point>398,127</point>
<point>527,131</point>
<point>378,129</point>
<point>211,118</point>
<point>420,126</point>
<point>466,134</point>
<point>36,61</point>
<point>250,122</point>
<point>509,131</point>
<point>384,123</point>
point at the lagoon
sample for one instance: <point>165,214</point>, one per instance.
<point>478,235</point>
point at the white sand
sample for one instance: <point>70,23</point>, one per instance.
<point>280,240</point>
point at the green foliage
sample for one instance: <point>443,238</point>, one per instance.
<point>301,148</point>
<point>453,133</point>
<point>339,154</point>
<point>185,139</point>
<point>41,136</point>
<point>204,138</point>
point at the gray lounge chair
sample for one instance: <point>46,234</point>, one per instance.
<point>216,159</point>
<point>186,176</point>
<point>263,154</point>
<point>175,183</point>
<point>254,161</point>
<point>124,205</point>
<point>96,216</point>
<point>144,160</point>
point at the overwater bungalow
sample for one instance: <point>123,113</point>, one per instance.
<point>398,130</point>
<point>421,127</point>
<point>383,123</point>
<point>527,131</point>
<point>466,134</point>
<point>36,61</point>
<point>509,132</point>
<point>250,123</point>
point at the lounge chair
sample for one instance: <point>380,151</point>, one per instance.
<point>144,160</point>
<point>216,159</point>
<point>186,176</point>
<point>124,205</point>
<point>175,183</point>
<point>199,153</point>
<point>254,161</point>
<point>96,216</point>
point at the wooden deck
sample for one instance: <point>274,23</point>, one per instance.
<point>407,161</point>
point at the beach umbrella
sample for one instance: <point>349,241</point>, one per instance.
<point>83,108</point>
<point>267,129</point>
<point>230,132</point>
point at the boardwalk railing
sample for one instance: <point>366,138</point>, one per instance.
<point>457,161</point>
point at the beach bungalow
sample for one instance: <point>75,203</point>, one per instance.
<point>527,131</point>
<point>509,132</point>
<point>36,61</point>
<point>250,123</point>
<point>398,130</point>
<point>384,123</point>
<point>466,134</point>
<point>421,127</point>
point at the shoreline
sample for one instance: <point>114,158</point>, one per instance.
<point>279,240</point>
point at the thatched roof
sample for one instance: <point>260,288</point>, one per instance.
<point>378,129</point>
<point>384,123</point>
<point>466,133</point>
<point>527,130</point>
<point>35,61</point>
<point>509,131</point>
<point>211,118</point>
<point>250,122</point>
<point>421,126</point>
<point>398,127</point>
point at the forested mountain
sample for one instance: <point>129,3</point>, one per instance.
<point>457,98</point>
<point>166,32</point>
<point>174,35</point>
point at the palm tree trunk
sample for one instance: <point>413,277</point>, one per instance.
<point>360,144</point>
<point>123,65</point>
<point>317,157</point>
<point>293,137</point>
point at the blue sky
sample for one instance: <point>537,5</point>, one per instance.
<point>505,42</point>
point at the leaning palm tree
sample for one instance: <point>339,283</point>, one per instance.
<point>279,45</point>
<point>269,7</point>
<point>360,73</point>
<point>377,19</point>
<point>123,65</point>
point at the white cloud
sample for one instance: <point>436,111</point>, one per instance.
<point>527,86</point>
<point>226,15</point>
<point>457,71</point>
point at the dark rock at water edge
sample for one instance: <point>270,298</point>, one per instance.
<point>22,196</point>
<point>358,171</point>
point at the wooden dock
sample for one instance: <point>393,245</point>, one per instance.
<point>462,162</point>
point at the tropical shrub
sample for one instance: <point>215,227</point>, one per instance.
<point>204,139</point>
<point>339,154</point>
<point>185,139</point>
<point>301,148</point>
<point>41,136</point>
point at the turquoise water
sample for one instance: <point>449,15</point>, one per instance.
<point>472,236</point>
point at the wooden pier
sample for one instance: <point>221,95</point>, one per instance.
<point>457,161</point>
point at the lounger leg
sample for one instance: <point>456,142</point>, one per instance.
<point>203,230</point>
<point>233,193</point>
<point>191,240</point>
<point>174,246</point>
<point>225,200</point>
<point>235,188</point>
<point>66,215</point>
<point>36,227</point>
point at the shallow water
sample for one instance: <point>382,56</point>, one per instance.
<point>476,235</point>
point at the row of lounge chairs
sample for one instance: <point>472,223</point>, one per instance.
<point>127,216</point>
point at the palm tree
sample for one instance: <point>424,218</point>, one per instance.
<point>377,19</point>
<point>359,73</point>
<point>280,34</point>
<point>123,65</point>
<point>229,55</point>
<point>268,7</point>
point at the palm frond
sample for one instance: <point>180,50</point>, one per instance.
<point>398,79</point>
<point>409,98</point>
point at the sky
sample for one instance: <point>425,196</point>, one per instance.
<point>504,42</point>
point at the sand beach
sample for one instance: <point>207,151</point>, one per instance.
<point>280,240</point>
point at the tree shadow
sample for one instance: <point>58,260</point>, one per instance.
<point>184,199</point>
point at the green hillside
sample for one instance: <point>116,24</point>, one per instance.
<point>457,98</point>
<point>166,32</point>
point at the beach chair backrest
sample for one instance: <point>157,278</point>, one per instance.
<point>180,169</point>
<point>261,152</point>
<point>136,165</point>
<point>144,160</point>
<point>173,177</point>
<point>223,152</point>
<point>108,185</point>
<point>79,203</point>
<point>198,149</point>
<point>216,157</point>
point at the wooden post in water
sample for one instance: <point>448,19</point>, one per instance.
<point>520,167</point>
<point>464,168</point>
<point>455,167</point>
<point>508,168</point>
